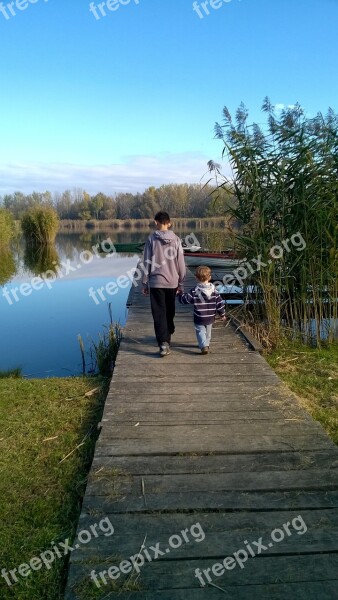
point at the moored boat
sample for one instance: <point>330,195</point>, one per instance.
<point>226,259</point>
<point>131,247</point>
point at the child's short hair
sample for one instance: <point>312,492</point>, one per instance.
<point>162,217</point>
<point>203,273</point>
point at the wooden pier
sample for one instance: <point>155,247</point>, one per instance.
<point>215,440</point>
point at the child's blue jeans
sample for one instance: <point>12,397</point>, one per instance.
<point>203,334</point>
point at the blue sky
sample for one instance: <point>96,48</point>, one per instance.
<point>130,99</point>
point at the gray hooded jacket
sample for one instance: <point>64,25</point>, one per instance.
<point>163,261</point>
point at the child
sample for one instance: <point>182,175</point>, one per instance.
<point>207,302</point>
<point>164,272</point>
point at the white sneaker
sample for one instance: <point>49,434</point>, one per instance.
<point>165,350</point>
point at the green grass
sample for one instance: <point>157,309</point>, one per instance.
<point>42,422</point>
<point>86,590</point>
<point>312,374</point>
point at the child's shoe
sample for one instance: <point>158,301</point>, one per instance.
<point>205,350</point>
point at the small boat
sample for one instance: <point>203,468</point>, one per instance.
<point>226,259</point>
<point>135,248</point>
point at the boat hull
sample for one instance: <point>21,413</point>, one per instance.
<point>222,262</point>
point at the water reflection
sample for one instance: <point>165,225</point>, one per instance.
<point>40,259</point>
<point>7,265</point>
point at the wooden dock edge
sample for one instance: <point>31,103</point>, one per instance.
<point>253,343</point>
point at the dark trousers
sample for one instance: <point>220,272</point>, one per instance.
<point>162,302</point>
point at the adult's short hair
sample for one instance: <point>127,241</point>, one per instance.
<point>162,217</point>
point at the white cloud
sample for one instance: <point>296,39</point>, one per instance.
<point>279,106</point>
<point>132,174</point>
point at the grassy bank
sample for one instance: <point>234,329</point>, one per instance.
<point>47,439</point>
<point>312,374</point>
<point>141,224</point>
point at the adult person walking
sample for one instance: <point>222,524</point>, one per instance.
<point>164,272</point>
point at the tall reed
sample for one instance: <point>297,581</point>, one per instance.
<point>40,225</point>
<point>6,228</point>
<point>285,180</point>
<point>103,352</point>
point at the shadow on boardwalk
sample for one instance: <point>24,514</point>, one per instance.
<point>202,458</point>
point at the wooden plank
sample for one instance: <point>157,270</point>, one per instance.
<point>160,369</point>
<point>228,396</point>
<point>282,410</point>
<point>148,413</point>
<point>219,403</point>
<point>213,523</point>
<point>201,377</point>
<point>248,387</point>
<point>101,483</point>
<point>159,465</point>
<point>174,575</point>
<point>218,359</point>
<point>216,433</point>
<point>246,444</point>
<point>323,590</point>
<point>232,501</point>
<point>214,546</point>
<point>163,419</point>
<point>147,345</point>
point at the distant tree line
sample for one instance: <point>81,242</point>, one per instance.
<point>179,200</point>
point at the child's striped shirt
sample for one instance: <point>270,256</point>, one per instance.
<point>207,302</point>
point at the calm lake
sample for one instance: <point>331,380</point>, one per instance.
<point>39,330</point>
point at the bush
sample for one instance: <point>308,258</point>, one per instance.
<point>40,225</point>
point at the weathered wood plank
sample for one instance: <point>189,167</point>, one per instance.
<point>102,483</point>
<point>197,371</point>
<point>175,575</point>
<point>228,396</point>
<point>184,419</point>
<point>214,546</point>
<point>314,590</point>
<point>172,465</point>
<point>217,433</point>
<point>247,523</point>
<point>182,415</point>
<point>301,500</point>
<point>245,444</point>
<point>221,403</point>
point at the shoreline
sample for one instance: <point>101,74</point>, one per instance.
<point>68,225</point>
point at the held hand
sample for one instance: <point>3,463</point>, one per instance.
<point>145,291</point>
<point>179,291</point>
